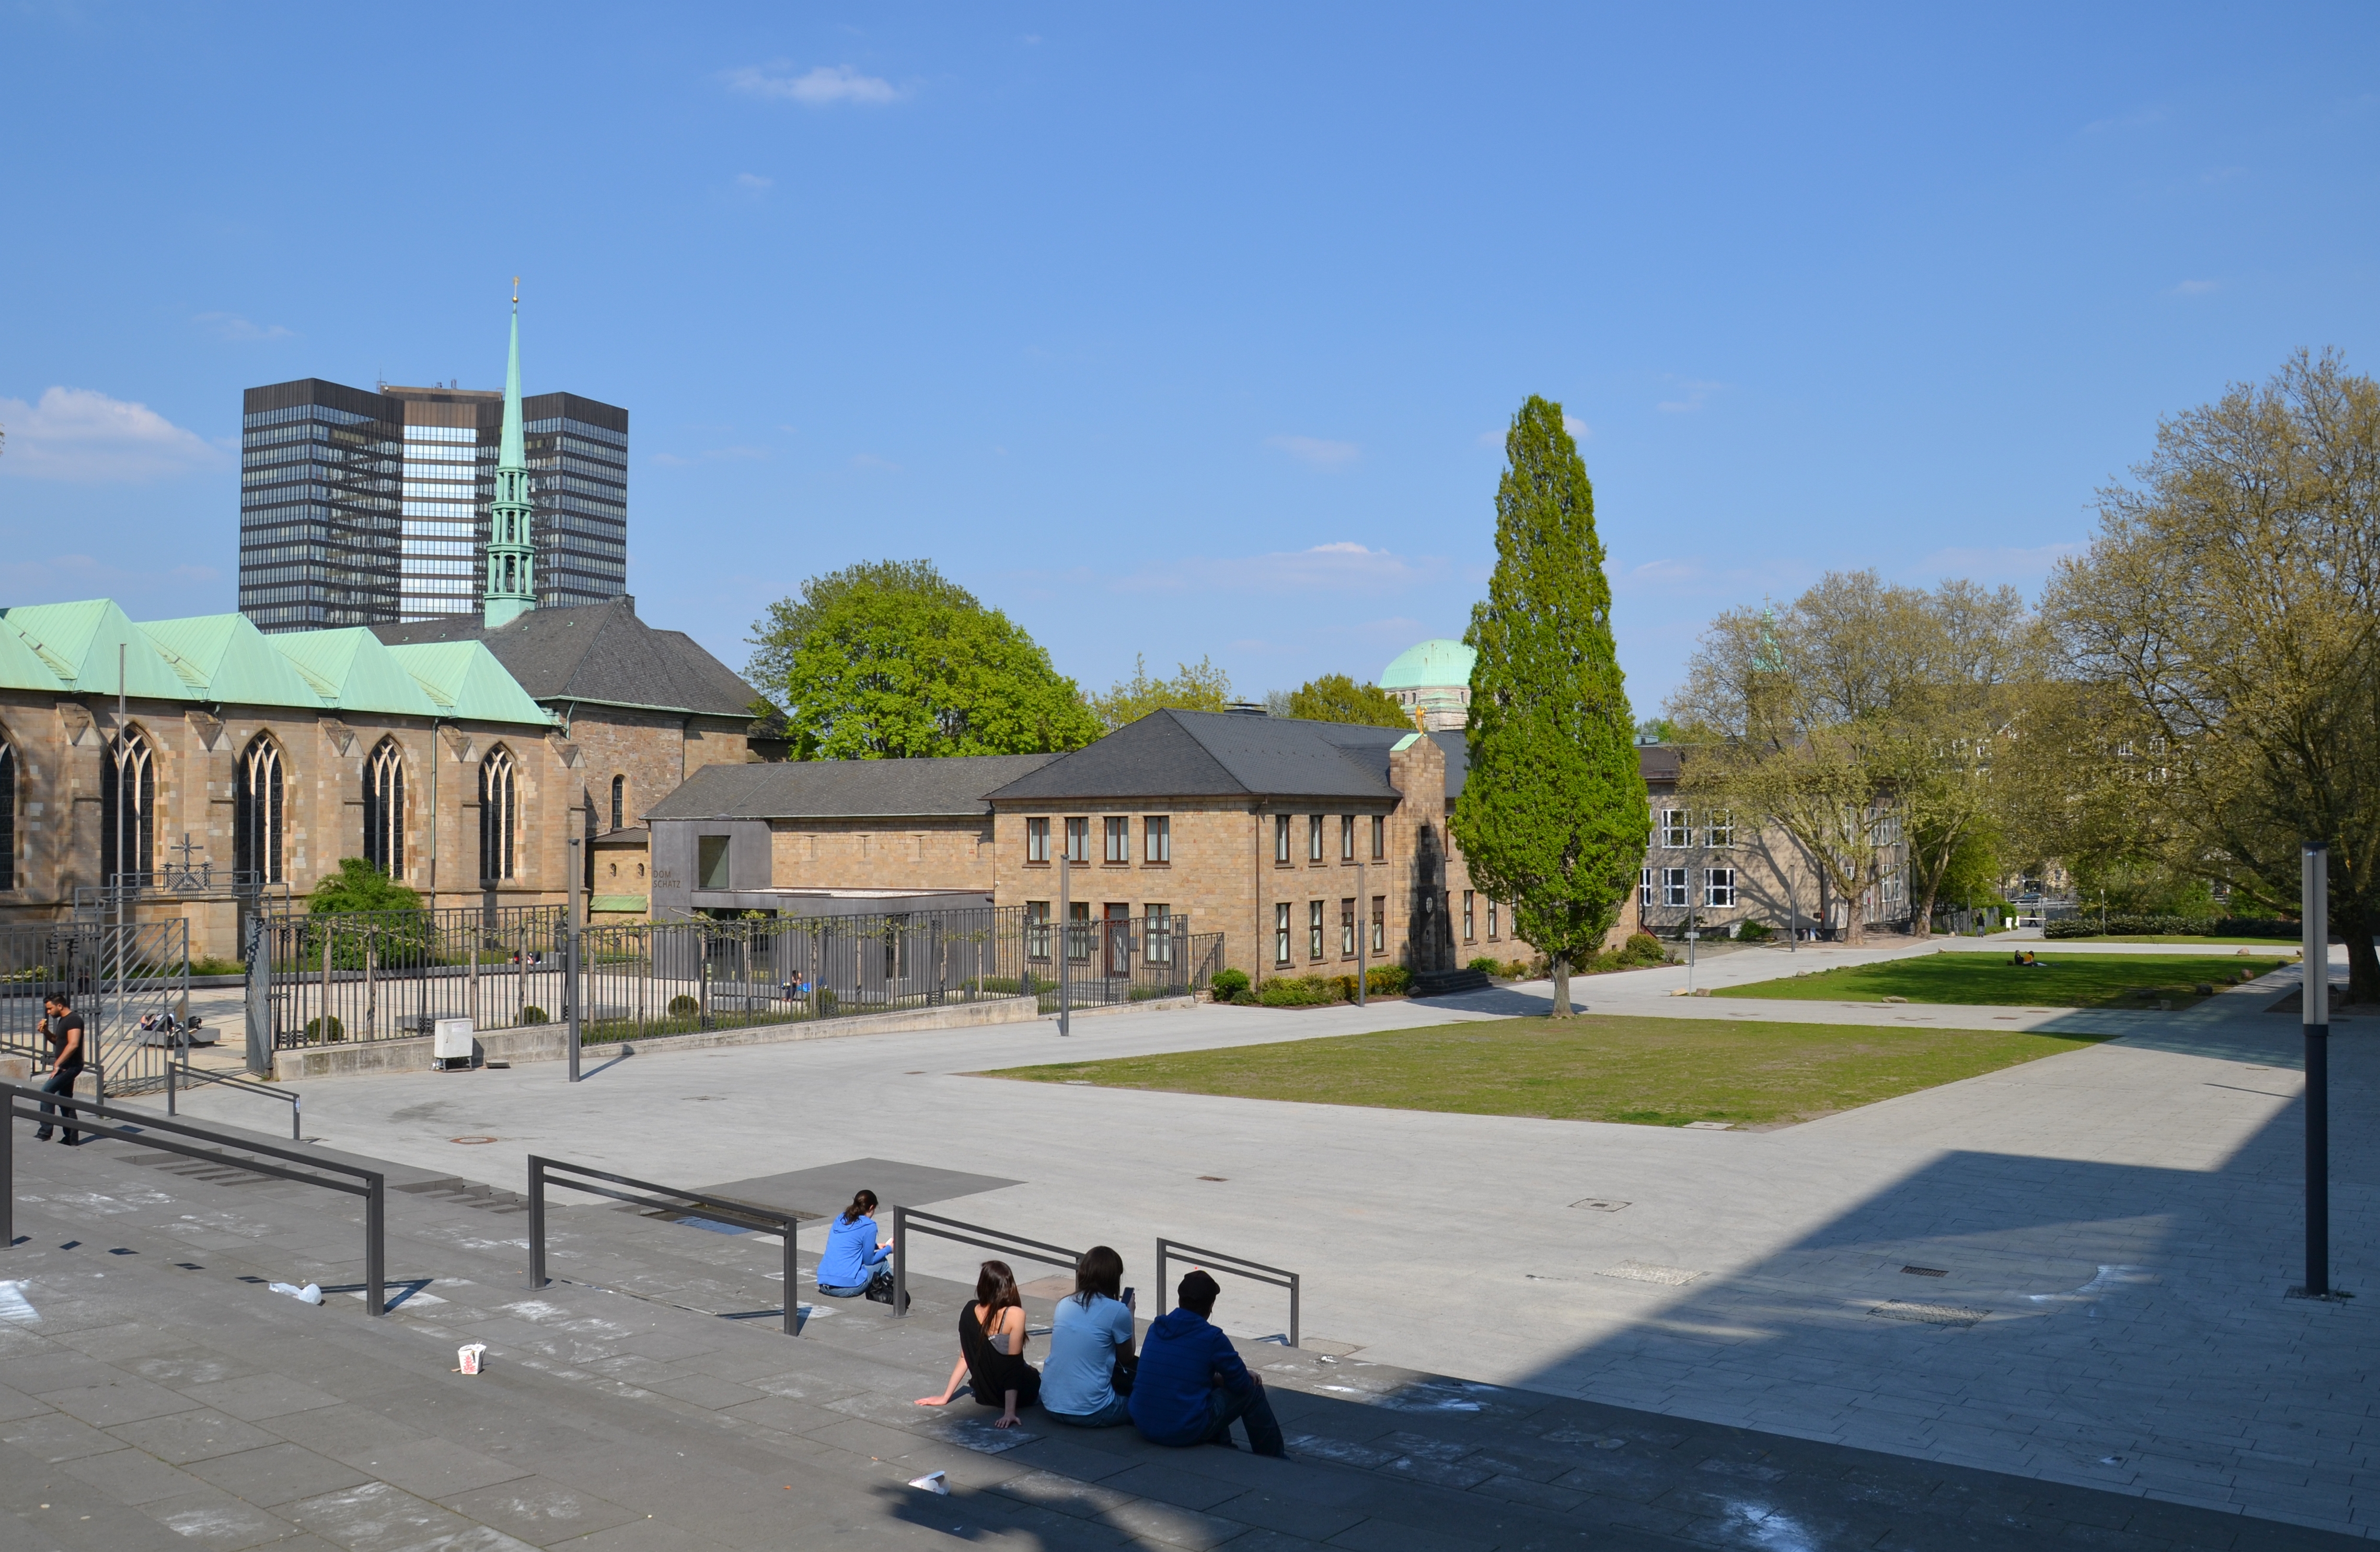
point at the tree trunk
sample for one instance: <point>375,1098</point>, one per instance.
<point>1922,922</point>
<point>1561,986</point>
<point>2363,959</point>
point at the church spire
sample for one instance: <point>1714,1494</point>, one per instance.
<point>512,549</point>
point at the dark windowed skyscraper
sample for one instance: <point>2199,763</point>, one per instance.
<point>372,508</point>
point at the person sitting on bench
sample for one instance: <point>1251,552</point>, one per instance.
<point>991,1349</point>
<point>1087,1379</point>
<point>1191,1385</point>
<point>851,1258</point>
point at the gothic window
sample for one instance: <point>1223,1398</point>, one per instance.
<point>499,813</point>
<point>256,812</point>
<point>384,808</point>
<point>128,810</point>
<point>8,817</point>
<point>619,802</point>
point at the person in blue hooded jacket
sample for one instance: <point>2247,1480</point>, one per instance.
<point>1191,1386</point>
<point>849,1262</point>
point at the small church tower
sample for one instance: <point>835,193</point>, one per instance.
<point>512,549</point>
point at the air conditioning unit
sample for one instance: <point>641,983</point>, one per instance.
<point>450,1046</point>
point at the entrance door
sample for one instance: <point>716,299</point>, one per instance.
<point>1117,930</point>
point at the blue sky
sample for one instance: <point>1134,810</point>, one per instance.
<point>1184,332</point>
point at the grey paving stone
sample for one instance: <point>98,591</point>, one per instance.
<point>119,1399</point>
<point>253,1397</point>
<point>1167,1483</point>
<point>1293,1509</point>
<point>195,1434</point>
<point>53,1435</point>
<point>434,1468</point>
<point>218,1521</point>
<point>540,1510</point>
<point>277,1473</point>
<point>131,1476</point>
<point>375,1517</point>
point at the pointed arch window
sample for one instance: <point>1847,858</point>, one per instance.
<point>499,813</point>
<point>384,808</point>
<point>619,803</point>
<point>7,815</point>
<point>128,808</point>
<point>256,811</point>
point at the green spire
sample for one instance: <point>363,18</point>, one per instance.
<point>512,550</point>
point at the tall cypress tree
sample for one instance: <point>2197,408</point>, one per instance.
<point>1553,813</point>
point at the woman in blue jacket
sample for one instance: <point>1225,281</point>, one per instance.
<point>852,1254</point>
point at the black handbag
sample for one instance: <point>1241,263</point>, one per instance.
<point>1120,1376</point>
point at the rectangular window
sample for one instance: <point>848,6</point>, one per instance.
<point>1718,886</point>
<point>1347,927</point>
<point>1156,930</point>
<point>1380,836</point>
<point>1156,833</point>
<point>1314,929</point>
<point>1492,921</point>
<point>1673,886</point>
<point>1037,922</point>
<point>1645,889</point>
<point>710,862</point>
<point>1037,840</point>
<point>1078,840</point>
<point>1280,932</point>
<point>1118,840</point>
<point>1677,829</point>
<point>1721,829</point>
<point>1346,838</point>
<point>1078,929</point>
<point>1468,935</point>
<point>1313,838</point>
<point>1379,924</point>
<point>1281,838</point>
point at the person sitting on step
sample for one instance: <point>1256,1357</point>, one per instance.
<point>1087,1379</point>
<point>851,1258</point>
<point>991,1349</point>
<point>1191,1385</point>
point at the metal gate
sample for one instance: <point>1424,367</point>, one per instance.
<point>115,975</point>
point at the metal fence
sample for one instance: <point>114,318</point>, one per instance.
<point>116,975</point>
<point>377,975</point>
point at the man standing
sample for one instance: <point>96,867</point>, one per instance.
<point>63,1029</point>
<point>1192,1386</point>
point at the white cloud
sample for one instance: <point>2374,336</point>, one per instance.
<point>754,182</point>
<point>233,328</point>
<point>1579,430</point>
<point>821,87</point>
<point>1316,451</point>
<point>1697,393</point>
<point>2195,288</point>
<point>1340,568</point>
<point>78,434</point>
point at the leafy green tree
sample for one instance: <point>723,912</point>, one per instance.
<point>1335,697</point>
<point>777,635</point>
<point>1199,686</point>
<point>1657,729</point>
<point>1553,814</point>
<point>359,886</point>
<point>886,669</point>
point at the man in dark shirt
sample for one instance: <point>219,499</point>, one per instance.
<point>1191,1386</point>
<point>63,1029</point>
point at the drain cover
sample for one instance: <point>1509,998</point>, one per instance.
<point>1925,1271</point>
<point>1598,1203</point>
<point>1929,1315</point>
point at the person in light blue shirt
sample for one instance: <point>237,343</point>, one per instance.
<point>849,1262</point>
<point>1090,1345</point>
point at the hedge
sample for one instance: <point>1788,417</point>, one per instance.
<point>2126,924</point>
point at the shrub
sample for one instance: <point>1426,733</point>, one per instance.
<point>2129,924</point>
<point>1488,966</point>
<point>823,1001</point>
<point>1243,998</point>
<point>1387,980</point>
<point>314,1028</point>
<point>1297,991</point>
<point>535,1014</point>
<point>1642,948</point>
<point>1227,985</point>
<point>1753,932</point>
<point>685,1005</point>
<point>1521,970</point>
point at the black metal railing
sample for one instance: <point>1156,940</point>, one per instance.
<point>907,1219</point>
<point>543,1172</point>
<point>180,1075</point>
<point>142,1126</point>
<point>1237,1266</point>
<point>115,974</point>
<point>1120,960</point>
<point>388,974</point>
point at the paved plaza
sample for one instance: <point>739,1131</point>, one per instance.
<point>2069,1273</point>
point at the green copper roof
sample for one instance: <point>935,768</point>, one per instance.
<point>1429,665</point>
<point>513,450</point>
<point>352,666</point>
<point>467,682</point>
<point>229,661</point>
<point>21,668</point>
<point>78,642</point>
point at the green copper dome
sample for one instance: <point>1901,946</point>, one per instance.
<point>1429,665</point>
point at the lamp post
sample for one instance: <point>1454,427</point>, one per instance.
<point>1066,934</point>
<point>2314,916</point>
<point>1363,934</point>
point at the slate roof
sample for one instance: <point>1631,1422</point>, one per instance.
<point>596,654</point>
<point>1210,754</point>
<point>845,789</point>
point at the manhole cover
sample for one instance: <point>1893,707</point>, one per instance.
<point>1925,1271</point>
<point>1598,1203</point>
<point>470,1140</point>
<point>1929,1315</point>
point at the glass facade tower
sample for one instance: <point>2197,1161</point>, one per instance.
<point>360,507</point>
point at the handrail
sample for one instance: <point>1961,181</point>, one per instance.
<point>1011,1244</point>
<point>1214,1260</point>
<point>726,1209</point>
<point>192,1074</point>
<point>369,1185</point>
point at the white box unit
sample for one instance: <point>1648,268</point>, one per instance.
<point>450,1045</point>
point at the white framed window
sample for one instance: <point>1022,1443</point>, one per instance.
<point>1467,920</point>
<point>1718,887</point>
<point>1280,926</point>
<point>1492,921</point>
<point>1677,829</point>
<point>1644,888</point>
<point>1720,830</point>
<point>1347,927</point>
<point>1673,887</point>
<point>1157,835</point>
<point>1118,840</point>
<point>1379,924</point>
<point>1314,929</point>
<point>1313,838</point>
<point>1281,838</point>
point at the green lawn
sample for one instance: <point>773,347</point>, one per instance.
<point>1653,1071</point>
<point>2069,980</point>
<point>2277,945</point>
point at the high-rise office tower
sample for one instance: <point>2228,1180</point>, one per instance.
<point>363,507</point>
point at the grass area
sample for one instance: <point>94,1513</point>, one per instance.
<point>1652,1071</point>
<point>2069,981</point>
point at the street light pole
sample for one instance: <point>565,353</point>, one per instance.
<point>2314,916</point>
<point>1066,934</point>
<point>1363,933</point>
